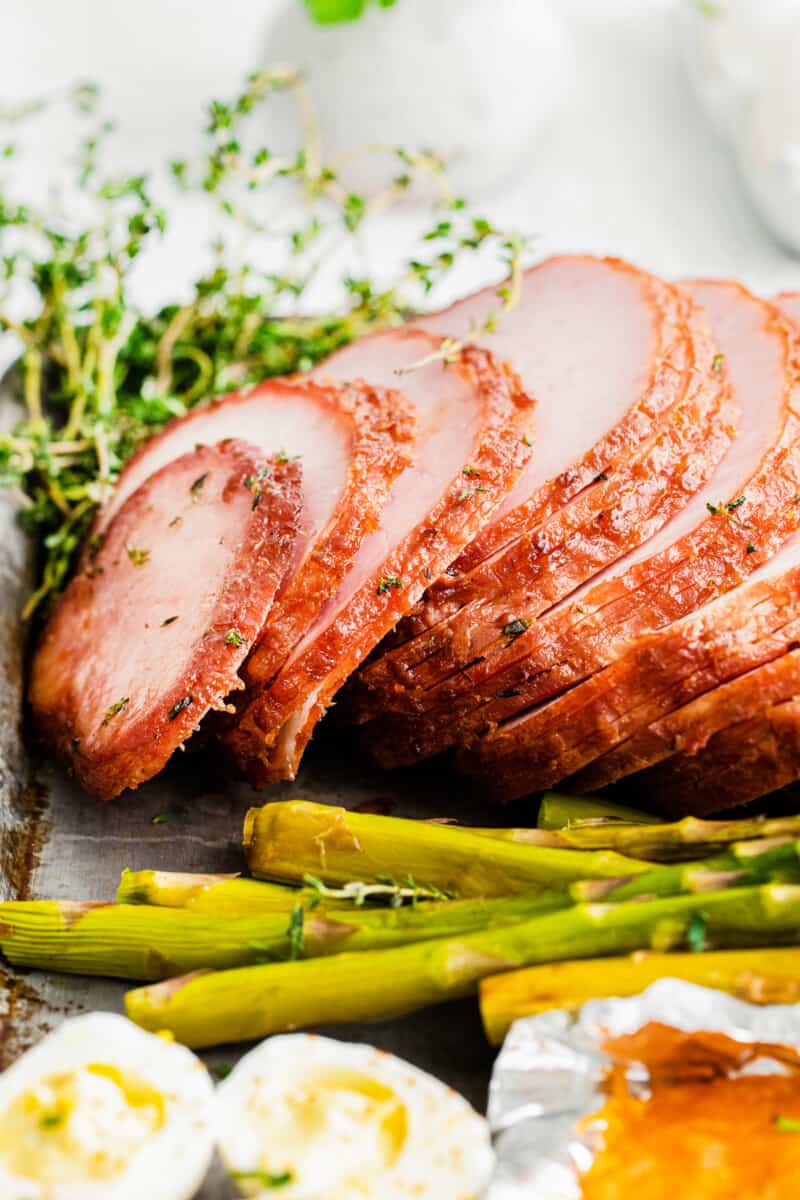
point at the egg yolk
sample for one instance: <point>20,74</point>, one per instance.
<point>79,1126</point>
<point>340,1125</point>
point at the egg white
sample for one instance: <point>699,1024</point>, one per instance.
<point>310,1118</point>
<point>101,1110</point>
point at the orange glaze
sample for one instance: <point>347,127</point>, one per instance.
<point>704,1132</point>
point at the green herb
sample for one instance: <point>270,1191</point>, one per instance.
<point>234,638</point>
<point>387,583</point>
<point>707,8</point>
<point>467,492</point>
<point>221,1070</point>
<point>97,375</point>
<point>507,693</point>
<point>386,890</point>
<point>197,486</point>
<point>179,706</point>
<point>265,1178</point>
<point>51,1120</point>
<point>527,439</point>
<point>786,1124</point>
<point>138,557</point>
<point>601,477</point>
<point>717,363</point>
<point>296,932</point>
<point>726,510</point>
<point>169,621</point>
<point>750,548</point>
<point>696,933</point>
<point>160,819</point>
<point>516,627</point>
<point>116,707</point>
<point>470,471</point>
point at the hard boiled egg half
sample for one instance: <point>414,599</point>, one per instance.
<point>308,1118</point>
<point>100,1110</point>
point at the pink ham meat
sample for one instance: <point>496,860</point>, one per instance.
<point>698,555</point>
<point>554,541</point>
<point>151,635</point>
<point>605,712</point>
<point>471,445</point>
<point>352,442</point>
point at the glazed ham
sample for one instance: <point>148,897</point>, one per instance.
<point>729,528</point>
<point>557,739</point>
<point>352,442</point>
<point>465,620</point>
<point>151,634</point>
<point>471,444</point>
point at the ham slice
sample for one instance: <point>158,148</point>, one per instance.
<point>152,633</point>
<point>610,715</point>
<point>352,442</point>
<point>656,674</point>
<point>471,445</point>
<point>629,500</point>
<point>741,763</point>
<point>698,555</point>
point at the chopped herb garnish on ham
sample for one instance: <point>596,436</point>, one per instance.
<point>115,708</point>
<point>516,627</point>
<point>234,638</point>
<point>179,706</point>
<point>138,557</point>
<point>197,486</point>
<point>388,583</point>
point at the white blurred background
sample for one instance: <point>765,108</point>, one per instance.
<point>628,165</point>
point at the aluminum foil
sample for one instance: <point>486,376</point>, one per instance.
<point>550,1073</point>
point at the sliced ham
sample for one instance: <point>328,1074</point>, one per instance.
<point>606,717</point>
<point>698,555</point>
<point>471,445</point>
<point>152,633</point>
<point>629,501</point>
<point>740,764</point>
<point>352,442</point>
<point>610,714</point>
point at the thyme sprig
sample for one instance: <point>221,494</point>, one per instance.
<point>385,890</point>
<point>97,375</point>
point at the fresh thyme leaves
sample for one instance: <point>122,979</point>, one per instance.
<point>717,363</point>
<point>470,471</point>
<point>786,1124</point>
<point>696,938</point>
<point>264,1178</point>
<point>726,510</point>
<point>507,693</point>
<point>234,638</point>
<point>385,890</point>
<point>51,1120</point>
<point>296,932</point>
<point>516,627</point>
<point>197,486</point>
<point>751,548</point>
<point>117,707</point>
<point>160,819</point>
<point>467,492</point>
<point>387,583</point>
<point>138,557</point>
<point>527,439</point>
<point>97,376</point>
<point>168,621</point>
<point>179,706</point>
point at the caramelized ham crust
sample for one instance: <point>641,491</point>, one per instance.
<point>471,445</point>
<point>151,634</point>
<point>352,441</point>
<point>468,618</point>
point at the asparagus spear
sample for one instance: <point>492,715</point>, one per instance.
<point>143,942</point>
<point>228,1006</point>
<point>760,976</point>
<point>686,839</point>
<point>288,840</point>
<point>558,811</point>
<point>214,893</point>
